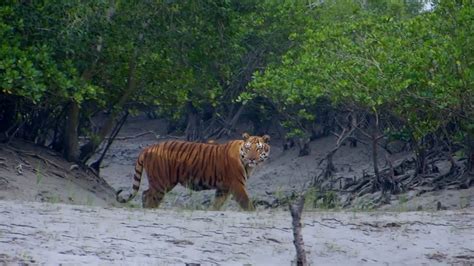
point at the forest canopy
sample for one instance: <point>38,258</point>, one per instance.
<point>387,69</point>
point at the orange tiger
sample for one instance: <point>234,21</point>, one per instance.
<point>199,166</point>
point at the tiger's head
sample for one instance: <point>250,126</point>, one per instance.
<point>254,149</point>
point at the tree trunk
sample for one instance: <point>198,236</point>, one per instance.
<point>330,168</point>
<point>235,118</point>
<point>8,111</point>
<point>470,151</point>
<point>89,148</point>
<point>193,131</point>
<point>375,157</point>
<point>375,139</point>
<point>470,162</point>
<point>420,160</point>
<point>303,145</point>
<point>227,129</point>
<point>71,145</point>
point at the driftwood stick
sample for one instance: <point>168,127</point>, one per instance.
<point>296,211</point>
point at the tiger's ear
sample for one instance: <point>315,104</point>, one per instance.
<point>266,138</point>
<point>245,136</point>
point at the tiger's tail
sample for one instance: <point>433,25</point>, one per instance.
<point>137,178</point>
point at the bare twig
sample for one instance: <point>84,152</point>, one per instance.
<point>341,138</point>
<point>296,211</point>
<point>10,137</point>
<point>136,136</point>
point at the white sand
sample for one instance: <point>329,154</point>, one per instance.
<point>60,233</point>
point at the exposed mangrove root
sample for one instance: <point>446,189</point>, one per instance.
<point>403,177</point>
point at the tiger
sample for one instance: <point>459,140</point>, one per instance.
<point>199,166</point>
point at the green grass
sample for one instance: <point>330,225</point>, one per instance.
<point>39,175</point>
<point>132,205</point>
<point>364,205</point>
<point>54,198</point>
<point>71,192</point>
<point>89,200</point>
<point>463,202</point>
<point>325,200</point>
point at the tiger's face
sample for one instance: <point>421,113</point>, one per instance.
<point>254,150</point>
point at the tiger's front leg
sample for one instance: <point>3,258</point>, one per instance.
<point>220,198</point>
<point>241,196</point>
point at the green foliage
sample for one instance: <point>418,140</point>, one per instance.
<point>382,57</point>
<point>416,66</point>
<point>31,69</point>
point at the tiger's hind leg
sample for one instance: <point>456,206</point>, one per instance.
<point>157,189</point>
<point>220,198</point>
<point>152,198</point>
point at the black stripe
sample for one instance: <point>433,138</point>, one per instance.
<point>212,181</point>
<point>204,158</point>
<point>172,159</point>
<point>214,163</point>
<point>211,161</point>
<point>179,149</point>
<point>137,178</point>
<point>135,187</point>
<point>193,149</point>
<point>195,166</point>
<point>185,152</point>
<point>188,155</point>
<point>178,167</point>
<point>171,146</point>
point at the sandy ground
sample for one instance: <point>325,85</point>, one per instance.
<point>31,173</point>
<point>70,234</point>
